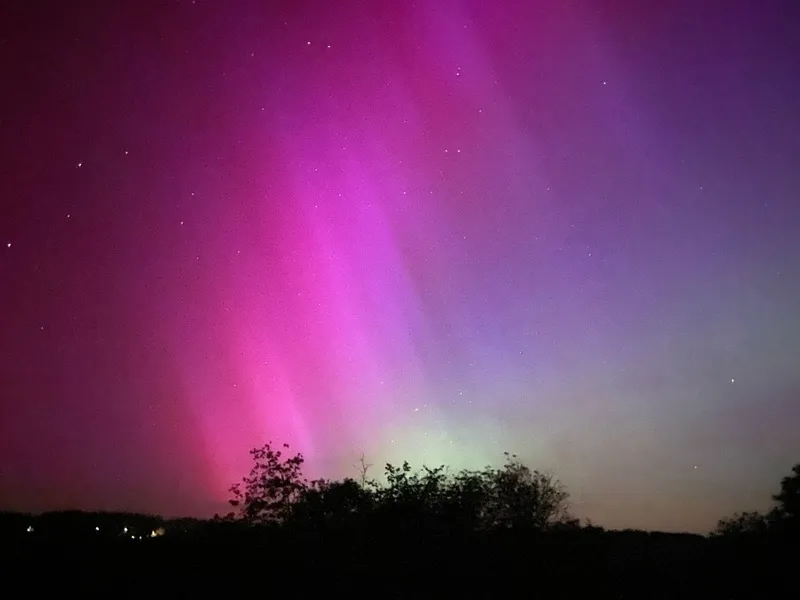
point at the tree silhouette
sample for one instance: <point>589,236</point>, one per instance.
<point>742,523</point>
<point>466,503</point>
<point>363,468</point>
<point>411,499</point>
<point>783,517</point>
<point>520,497</point>
<point>275,483</point>
<point>788,499</point>
<point>512,496</point>
<point>332,503</point>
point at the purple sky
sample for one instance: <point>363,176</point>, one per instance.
<point>432,231</point>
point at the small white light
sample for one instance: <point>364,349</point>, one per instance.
<point>124,530</point>
<point>97,529</point>
<point>30,529</point>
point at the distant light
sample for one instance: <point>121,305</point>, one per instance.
<point>30,529</point>
<point>733,380</point>
<point>124,530</point>
<point>97,529</point>
<point>133,537</point>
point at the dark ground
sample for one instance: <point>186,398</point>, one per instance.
<point>194,560</point>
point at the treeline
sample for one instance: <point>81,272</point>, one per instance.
<point>782,520</point>
<point>510,497</point>
<point>275,495</point>
<point>513,496</point>
<point>79,525</point>
<point>428,533</point>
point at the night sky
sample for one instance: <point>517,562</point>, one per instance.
<point>425,231</point>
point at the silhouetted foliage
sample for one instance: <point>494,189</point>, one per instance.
<point>783,518</point>
<point>331,503</point>
<point>411,499</point>
<point>520,497</point>
<point>742,523</point>
<point>513,496</point>
<point>274,484</point>
<point>788,499</point>
<point>468,534</point>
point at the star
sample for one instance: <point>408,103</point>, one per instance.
<point>80,164</point>
<point>8,245</point>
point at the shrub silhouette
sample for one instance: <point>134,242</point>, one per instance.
<point>742,523</point>
<point>787,511</point>
<point>513,496</point>
<point>415,533</point>
<point>783,518</point>
<point>332,503</point>
<point>274,485</point>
